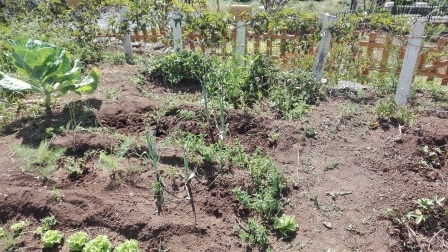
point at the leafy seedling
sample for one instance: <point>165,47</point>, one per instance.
<point>111,162</point>
<point>51,238</point>
<point>9,240</point>
<point>77,241</point>
<point>255,234</point>
<point>417,215</point>
<point>425,203</point>
<point>47,224</point>
<point>49,221</point>
<point>49,70</point>
<point>18,228</point>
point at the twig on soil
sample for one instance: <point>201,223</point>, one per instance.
<point>298,163</point>
<point>12,154</point>
<point>241,225</point>
<point>412,235</point>
<point>334,195</point>
<point>435,235</point>
<point>440,175</point>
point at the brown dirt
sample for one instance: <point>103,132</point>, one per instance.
<point>353,170</point>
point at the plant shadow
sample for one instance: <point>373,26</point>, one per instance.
<point>32,130</point>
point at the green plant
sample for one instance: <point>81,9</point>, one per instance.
<point>331,166</point>
<point>43,161</point>
<point>111,162</point>
<point>154,158</point>
<point>127,246</point>
<point>180,66</point>
<point>433,157</point>
<point>49,69</point>
<point>314,198</point>
<point>274,137</point>
<point>285,225</point>
<point>112,94</point>
<point>72,167</point>
<point>269,185</point>
<point>56,194</point>
<point>100,244</point>
<point>417,215</point>
<point>51,238</point>
<point>9,240</point>
<point>77,241</point>
<point>293,93</point>
<point>18,228</point>
<point>49,221</point>
<point>388,109</point>
<point>255,233</point>
<point>172,173</point>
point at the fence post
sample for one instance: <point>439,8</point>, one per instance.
<point>176,20</point>
<point>127,39</point>
<point>241,14</point>
<point>409,61</point>
<point>323,47</point>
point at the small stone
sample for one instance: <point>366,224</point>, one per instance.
<point>327,224</point>
<point>295,186</point>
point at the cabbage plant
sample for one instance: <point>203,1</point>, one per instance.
<point>48,71</point>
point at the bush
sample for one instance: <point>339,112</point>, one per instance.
<point>180,66</point>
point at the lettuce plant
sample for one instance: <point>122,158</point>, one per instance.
<point>77,241</point>
<point>100,244</point>
<point>51,238</point>
<point>18,227</point>
<point>49,71</point>
<point>128,246</point>
<point>285,225</point>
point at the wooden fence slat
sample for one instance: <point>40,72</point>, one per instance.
<point>154,35</point>
<point>438,67</point>
<point>386,51</point>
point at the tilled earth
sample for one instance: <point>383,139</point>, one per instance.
<point>344,170</point>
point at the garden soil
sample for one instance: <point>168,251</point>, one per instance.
<point>344,170</point>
